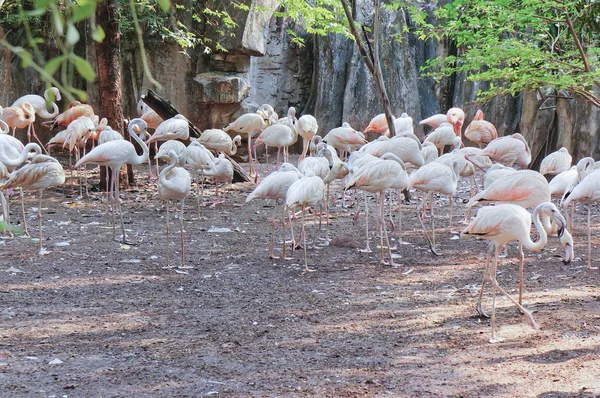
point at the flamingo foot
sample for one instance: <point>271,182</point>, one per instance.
<point>306,269</point>
<point>494,340</point>
<point>480,310</point>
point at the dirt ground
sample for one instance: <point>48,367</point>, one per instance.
<point>95,318</point>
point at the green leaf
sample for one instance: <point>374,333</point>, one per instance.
<point>165,5</point>
<point>84,11</point>
<point>98,34</point>
<point>52,65</point>
<point>36,12</point>
<point>80,93</point>
<point>72,34</point>
<point>26,57</point>
<point>84,68</point>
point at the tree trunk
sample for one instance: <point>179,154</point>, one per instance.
<point>108,58</point>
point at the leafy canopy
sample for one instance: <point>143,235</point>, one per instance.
<point>517,45</point>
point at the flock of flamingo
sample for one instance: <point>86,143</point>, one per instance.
<point>387,164</point>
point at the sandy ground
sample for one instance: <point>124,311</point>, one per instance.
<point>95,318</point>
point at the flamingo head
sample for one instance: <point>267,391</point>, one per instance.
<point>456,117</point>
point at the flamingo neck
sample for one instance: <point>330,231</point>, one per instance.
<point>536,246</point>
<point>145,152</point>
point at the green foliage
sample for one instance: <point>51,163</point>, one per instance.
<point>518,45</point>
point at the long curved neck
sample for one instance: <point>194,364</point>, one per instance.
<point>536,246</point>
<point>47,115</point>
<point>164,174</point>
<point>139,159</point>
<point>392,156</point>
<point>14,162</point>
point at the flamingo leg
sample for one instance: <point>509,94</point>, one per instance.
<point>112,195</point>
<point>167,233</point>
<point>40,220</point>
<point>367,249</point>
<point>327,214</point>
<point>486,278</point>
<point>283,257</point>
<point>181,235</point>
<point>399,218</point>
<point>305,144</point>
<point>589,231</point>
<point>291,229</point>
<point>451,206</point>
<point>380,221</point>
<point>251,167</point>
<point>36,138</point>
<point>521,260</point>
<point>23,212</point>
<point>528,315</point>
<point>384,227</point>
<point>155,158</point>
<point>306,269</point>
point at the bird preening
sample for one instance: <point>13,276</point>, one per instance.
<point>317,187</point>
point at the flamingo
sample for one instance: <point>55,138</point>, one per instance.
<point>114,154</point>
<point>561,183</point>
<point>108,134</point>
<point>337,171</point>
<point>475,156</point>
<point>275,186</point>
<point>442,136</point>
<point>456,117</point>
<point>40,103</point>
<point>508,150</point>
<point>152,119</point>
<point>175,128</point>
<point>75,110</point>
<point>43,172</point>
<point>307,127</point>
<point>174,184</point>
<point>434,121</point>
<point>278,135</point>
<point>501,224</point>
<point>480,131</point>
<point>429,152</point>
<point>306,191</point>
<point>525,188</point>
<point>219,141</point>
<point>10,159</point>
<point>200,160</point>
<point>378,125</point>
<point>556,162</point>
<point>376,176</point>
<point>19,117</point>
<point>403,126</point>
<point>586,191</point>
<point>317,164</point>
<point>345,138</point>
<point>142,107</point>
<point>172,145</point>
<point>250,123</point>
<point>222,172</point>
<point>435,177</point>
<point>408,149</point>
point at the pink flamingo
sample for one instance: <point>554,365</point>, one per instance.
<point>175,128</point>
<point>250,123</point>
<point>501,224</point>
<point>456,117</point>
<point>306,191</point>
<point>307,127</point>
<point>275,186</point>
<point>345,139</point>
<point>43,172</point>
<point>434,177</point>
<point>442,136</point>
<point>174,184</point>
<point>377,125</point>
<point>278,135</point>
<point>114,154</point>
<point>508,150</point>
<point>221,172</point>
<point>219,141</point>
<point>556,162</point>
<point>376,176</point>
<point>587,191</point>
<point>481,131</point>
